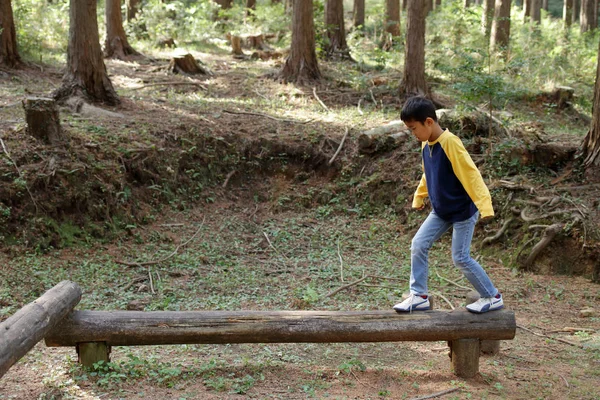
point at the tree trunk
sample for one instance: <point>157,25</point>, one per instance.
<point>301,66</point>
<point>9,54</point>
<point>133,6</point>
<point>568,13</point>
<point>392,14</point>
<point>576,9</point>
<point>586,15</point>
<point>545,5</point>
<point>404,4</point>
<point>467,3</point>
<point>116,44</point>
<point>526,10</point>
<point>536,14</point>
<point>500,34</point>
<point>86,73</point>
<point>487,17</point>
<point>413,80</point>
<point>336,34</point>
<point>358,13</point>
<point>591,144</point>
<point>250,7</point>
<point>225,4</point>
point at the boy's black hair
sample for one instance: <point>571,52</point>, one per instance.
<point>418,109</point>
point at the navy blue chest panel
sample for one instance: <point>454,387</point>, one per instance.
<point>446,193</point>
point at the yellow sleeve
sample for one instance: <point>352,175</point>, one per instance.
<point>467,173</point>
<point>420,194</point>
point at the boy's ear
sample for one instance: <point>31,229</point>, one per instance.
<point>429,121</point>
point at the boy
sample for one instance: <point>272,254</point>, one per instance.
<point>458,195</point>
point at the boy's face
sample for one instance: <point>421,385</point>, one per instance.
<point>421,130</point>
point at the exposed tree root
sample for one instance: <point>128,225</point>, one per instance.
<point>547,237</point>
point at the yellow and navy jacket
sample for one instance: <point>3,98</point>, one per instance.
<point>452,181</point>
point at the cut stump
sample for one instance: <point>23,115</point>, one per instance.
<point>43,121</point>
<point>187,64</point>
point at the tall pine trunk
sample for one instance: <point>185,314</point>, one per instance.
<point>590,149</point>
<point>86,73</point>
<point>133,6</point>
<point>392,16</point>
<point>116,44</point>
<point>568,13</point>
<point>487,17</point>
<point>336,34</point>
<point>413,80</point>
<point>500,34</point>
<point>586,15</point>
<point>358,14</point>
<point>536,11</point>
<point>301,65</point>
<point>9,54</point>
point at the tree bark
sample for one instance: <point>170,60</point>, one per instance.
<point>487,17</point>
<point>225,4</point>
<point>526,10</point>
<point>358,14</point>
<point>336,34</point>
<point>500,34</point>
<point>43,120</point>
<point>413,80</point>
<point>86,73</point>
<point>392,14</point>
<point>9,55</point>
<point>576,10</point>
<point>138,328</point>
<point>536,8</point>
<point>116,44</point>
<point>591,144</point>
<point>29,325</point>
<point>301,66</point>
<point>568,13</point>
<point>586,16</point>
<point>545,5</point>
<point>133,6</point>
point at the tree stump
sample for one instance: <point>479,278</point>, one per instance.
<point>186,64</point>
<point>236,45</point>
<point>465,357</point>
<point>43,121</point>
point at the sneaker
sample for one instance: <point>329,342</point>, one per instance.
<point>414,302</point>
<point>486,304</point>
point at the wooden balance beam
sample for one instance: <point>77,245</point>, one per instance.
<point>94,332</point>
<point>21,331</point>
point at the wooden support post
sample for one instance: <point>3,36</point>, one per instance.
<point>489,347</point>
<point>21,331</point>
<point>465,357</point>
<point>92,352</point>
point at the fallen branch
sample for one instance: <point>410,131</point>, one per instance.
<point>267,116</point>
<point>228,177</point>
<point>434,395</point>
<point>443,298</point>
<point>144,263</point>
<point>498,235</point>
<point>319,100</point>
<point>172,84</point>
<point>356,282</point>
<point>451,281</point>
<point>339,147</point>
<point>549,337</point>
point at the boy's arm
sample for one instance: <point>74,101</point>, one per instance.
<point>420,194</point>
<point>467,173</point>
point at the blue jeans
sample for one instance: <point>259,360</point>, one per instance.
<point>462,234</point>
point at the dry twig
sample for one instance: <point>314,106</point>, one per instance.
<point>339,148</point>
<point>319,100</point>
<point>434,395</point>
<point>549,337</point>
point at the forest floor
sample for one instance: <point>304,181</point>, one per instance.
<point>227,179</point>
